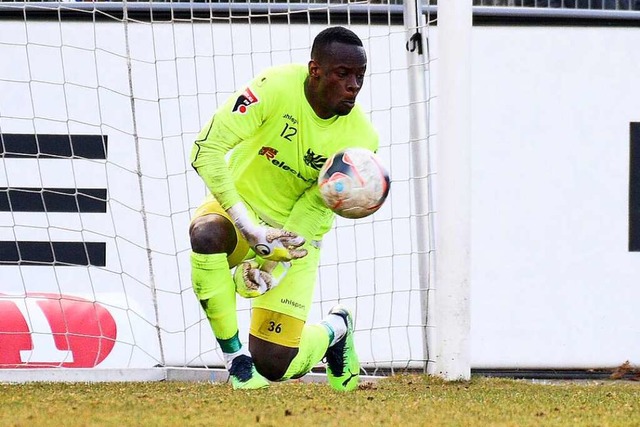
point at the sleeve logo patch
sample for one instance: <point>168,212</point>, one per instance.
<point>244,101</point>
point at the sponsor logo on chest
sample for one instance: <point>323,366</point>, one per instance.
<point>271,154</point>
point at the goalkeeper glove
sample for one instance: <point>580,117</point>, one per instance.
<point>270,243</point>
<point>254,278</point>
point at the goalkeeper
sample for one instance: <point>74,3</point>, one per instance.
<point>266,218</point>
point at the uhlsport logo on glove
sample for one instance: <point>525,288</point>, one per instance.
<point>262,249</point>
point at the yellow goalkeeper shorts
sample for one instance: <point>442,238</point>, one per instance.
<point>294,294</point>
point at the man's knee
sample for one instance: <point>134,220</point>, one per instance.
<point>211,234</point>
<point>270,359</point>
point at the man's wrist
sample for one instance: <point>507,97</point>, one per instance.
<point>240,216</point>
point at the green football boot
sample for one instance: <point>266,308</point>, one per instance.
<point>243,374</point>
<point>343,366</point>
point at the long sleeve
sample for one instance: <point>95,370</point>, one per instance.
<point>208,159</point>
<point>236,121</point>
<point>310,217</point>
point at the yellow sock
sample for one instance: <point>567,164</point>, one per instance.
<point>216,291</point>
<point>313,345</point>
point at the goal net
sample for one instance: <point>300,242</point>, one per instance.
<point>99,106</point>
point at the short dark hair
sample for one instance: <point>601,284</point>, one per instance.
<point>333,35</point>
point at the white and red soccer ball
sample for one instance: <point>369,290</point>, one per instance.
<point>354,183</point>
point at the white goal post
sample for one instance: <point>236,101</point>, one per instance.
<point>99,106</point>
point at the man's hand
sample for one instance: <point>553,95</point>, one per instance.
<point>276,245</point>
<point>253,279</point>
<point>269,243</point>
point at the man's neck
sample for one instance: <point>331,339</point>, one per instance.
<point>309,94</point>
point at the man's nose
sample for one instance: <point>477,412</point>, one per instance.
<point>352,84</point>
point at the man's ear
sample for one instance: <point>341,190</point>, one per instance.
<point>314,69</point>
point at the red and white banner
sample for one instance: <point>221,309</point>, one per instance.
<point>50,330</point>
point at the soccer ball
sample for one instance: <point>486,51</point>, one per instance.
<point>354,183</point>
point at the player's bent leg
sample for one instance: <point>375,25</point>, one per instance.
<point>277,329</point>
<point>284,348</point>
<point>213,241</point>
<point>279,363</point>
<point>212,238</point>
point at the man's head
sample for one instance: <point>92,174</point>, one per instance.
<point>336,72</point>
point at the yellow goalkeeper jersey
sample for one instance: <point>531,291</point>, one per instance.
<point>278,145</point>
